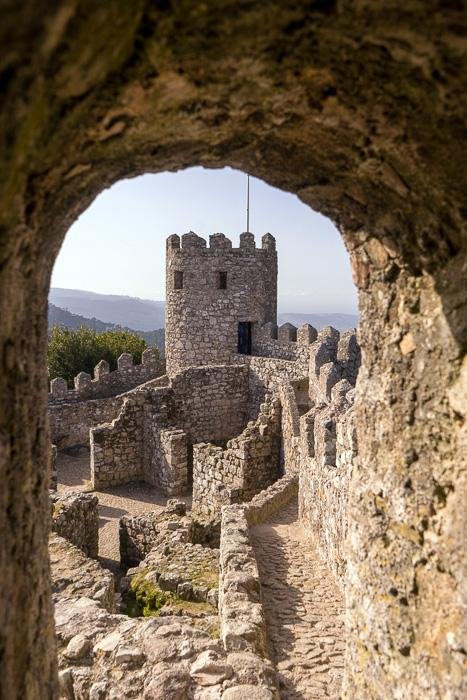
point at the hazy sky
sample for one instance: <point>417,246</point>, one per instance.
<point>117,246</point>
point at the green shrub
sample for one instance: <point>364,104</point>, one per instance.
<point>73,351</point>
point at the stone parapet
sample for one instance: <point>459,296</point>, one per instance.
<point>106,383</point>
<point>76,576</point>
<point>75,517</point>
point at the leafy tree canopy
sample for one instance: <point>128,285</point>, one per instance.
<point>73,351</point>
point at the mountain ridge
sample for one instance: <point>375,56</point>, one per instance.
<point>146,315</point>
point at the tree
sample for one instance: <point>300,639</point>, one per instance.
<point>73,351</point>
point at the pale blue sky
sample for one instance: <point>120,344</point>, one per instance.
<point>117,246</point>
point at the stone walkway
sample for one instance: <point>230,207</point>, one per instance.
<point>73,472</point>
<point>303,609</point>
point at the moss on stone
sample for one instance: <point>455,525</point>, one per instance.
<point>146,599</point>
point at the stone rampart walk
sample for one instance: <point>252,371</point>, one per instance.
<point>304,609</point>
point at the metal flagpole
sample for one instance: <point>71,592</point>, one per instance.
<point>248,203</point>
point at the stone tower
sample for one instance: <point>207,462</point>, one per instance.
<point>216,297</point>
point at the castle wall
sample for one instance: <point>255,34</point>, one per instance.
<point>70,422</point>
<point>250,463</point>
<point>211,403</point>
<point>202,318</point>
<point>328,445</point>
<point>106,383</point>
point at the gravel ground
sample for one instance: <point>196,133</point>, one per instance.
<point>73,469</point>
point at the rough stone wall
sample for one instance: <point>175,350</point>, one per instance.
<point>285,343</point>
<point>75,575</point>
<point>117,454</point>
<point>249,464</point>
<point>363,123</point>
<point>328,444</point>
<point>328,449</point>
<point>70,422</point>
<point>332,357</point>
<point>241,612</point>
<point>211,403</point>
<point>290,429</point>
<point>75,517</point>
<point>201,318</point>
<point>106,383</point>
<point>165,455</point>
<point>141,533</point>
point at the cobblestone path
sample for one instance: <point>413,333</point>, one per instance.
<point>303,609</point>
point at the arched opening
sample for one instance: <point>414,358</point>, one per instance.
<point>328,104</point>
<point>115,252</point>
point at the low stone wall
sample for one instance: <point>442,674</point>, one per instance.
<point>211,403</point>
<point>74,575</point>
<point>242,621</point>
<point>272,499</point>
<point>249,464</point>
<point>70,422</point>
<point>243,626</point>
<point>75,517</point>
<point>141,533</point>
<point>106,383</point>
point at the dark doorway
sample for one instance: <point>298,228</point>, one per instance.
<point>244,337</point>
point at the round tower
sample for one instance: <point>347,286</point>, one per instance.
<point>216,297</point>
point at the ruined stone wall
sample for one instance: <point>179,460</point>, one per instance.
<point>117,455</point>
<point>249,464</point>
<point>211,403</point>
<point>149,438</point>
<point>165,455</point>
<point>70,422</point>
<point>106,383</point>
<point>202,318</point>
<point>138,534</point>
<point>76,518</point>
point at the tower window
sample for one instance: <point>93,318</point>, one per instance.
<point>178,279</point>
<point>222,281</point>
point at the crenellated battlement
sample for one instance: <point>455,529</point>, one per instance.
<point>106,383</point>
<point>218,242</point>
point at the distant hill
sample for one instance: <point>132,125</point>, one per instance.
<point>144,315</point>
<point>63,317</point>
<point>131,312</point>
<point>341,322</point>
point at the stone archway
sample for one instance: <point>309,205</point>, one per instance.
<point>359,112</point>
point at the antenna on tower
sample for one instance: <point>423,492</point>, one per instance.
<point>248,203</point>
